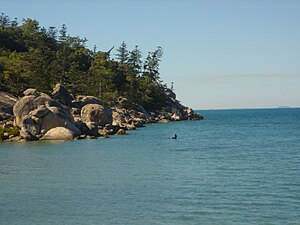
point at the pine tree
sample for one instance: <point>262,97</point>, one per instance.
<point>123,54</point>
<point>135,61</point>
<point>151,65</point>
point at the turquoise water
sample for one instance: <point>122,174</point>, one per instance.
<point>236,167</point>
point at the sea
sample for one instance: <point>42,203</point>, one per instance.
<point>234,167</point>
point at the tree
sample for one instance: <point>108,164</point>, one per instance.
<point>151,65</point>
<point>63,34</point>
<point>135,61</point>
<point>4,20</point>
<point>30,27</point>
<point>62,53</point>
<point>52,32</point>
<point>100,78</point>
<point>123,54</point>
<point>13,72</point>
<point>33,56</point>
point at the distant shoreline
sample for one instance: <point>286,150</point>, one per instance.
<point>296,107</point>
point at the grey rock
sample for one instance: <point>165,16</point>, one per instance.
<point>27,136</point>
<point>31,91</point>
<point>40,112</point>
<point>27,104</point>
<point>61,94</point>
<point>58,133</point>
<point>29,126</point>
<point>7,101</point>
<point>90,128</point>
<point>5,116</point>
<point>121,132</point>
<point>81,101</point>
<point>98,114</point>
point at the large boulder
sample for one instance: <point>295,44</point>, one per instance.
<point>51,117</point>
<point>58,133</point>
<point>90,100</point>
<point>62,113</point>
<point>30,126</point>
<point>7,101</point>
<point>82,100</point>
<point>88,128</point>
<point>30,129</point>
<point>26,104</point>
<point>36,114</point>
<point>61,94</point>
<point>95,113</point>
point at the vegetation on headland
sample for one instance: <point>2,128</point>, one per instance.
<point>94,95</point>
<point>38,57</point>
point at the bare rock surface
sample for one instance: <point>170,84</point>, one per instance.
<point>26,104</point>
<point>61,94</point>
<point>58,133</point>
<point>40,117</point>
<point>98,114</point>
<point>7,101</point>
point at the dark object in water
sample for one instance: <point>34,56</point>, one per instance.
<point>175,136</point>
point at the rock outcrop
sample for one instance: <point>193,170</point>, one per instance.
<point>36,113</point>
<point>7,101</point>
<point>177,111</point>
<point>61,94</point>
<point>82,100</point>
<point>28,103</point>
<point>63,117</point>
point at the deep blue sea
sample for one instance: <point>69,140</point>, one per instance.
<point>235,167</point>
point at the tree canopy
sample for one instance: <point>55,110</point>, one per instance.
<point>38,57</point>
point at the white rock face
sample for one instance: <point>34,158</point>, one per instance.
<point>58,133</point>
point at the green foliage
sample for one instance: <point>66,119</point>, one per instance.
<point>151,66</point>
<point>10,131</point>
<point>123,54</point>
<point>33,56</point>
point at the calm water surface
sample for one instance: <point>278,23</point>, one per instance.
<point>235,167</point>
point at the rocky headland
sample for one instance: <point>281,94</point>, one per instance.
<point>61,116</point>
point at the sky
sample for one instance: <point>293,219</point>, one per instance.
<point>220,54</point>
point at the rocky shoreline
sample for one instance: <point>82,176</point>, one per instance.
<point>61,116</point>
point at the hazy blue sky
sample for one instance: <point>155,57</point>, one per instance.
<point>218,53</point>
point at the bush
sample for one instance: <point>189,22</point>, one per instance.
<point>10,131</point>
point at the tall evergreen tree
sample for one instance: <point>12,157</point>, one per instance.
<point>63,33</point>
<point>4,20</point>
<point>151,65</point>
<point>122,53</point>
<point>135,60</point>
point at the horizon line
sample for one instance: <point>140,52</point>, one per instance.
<point>278,107</point>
